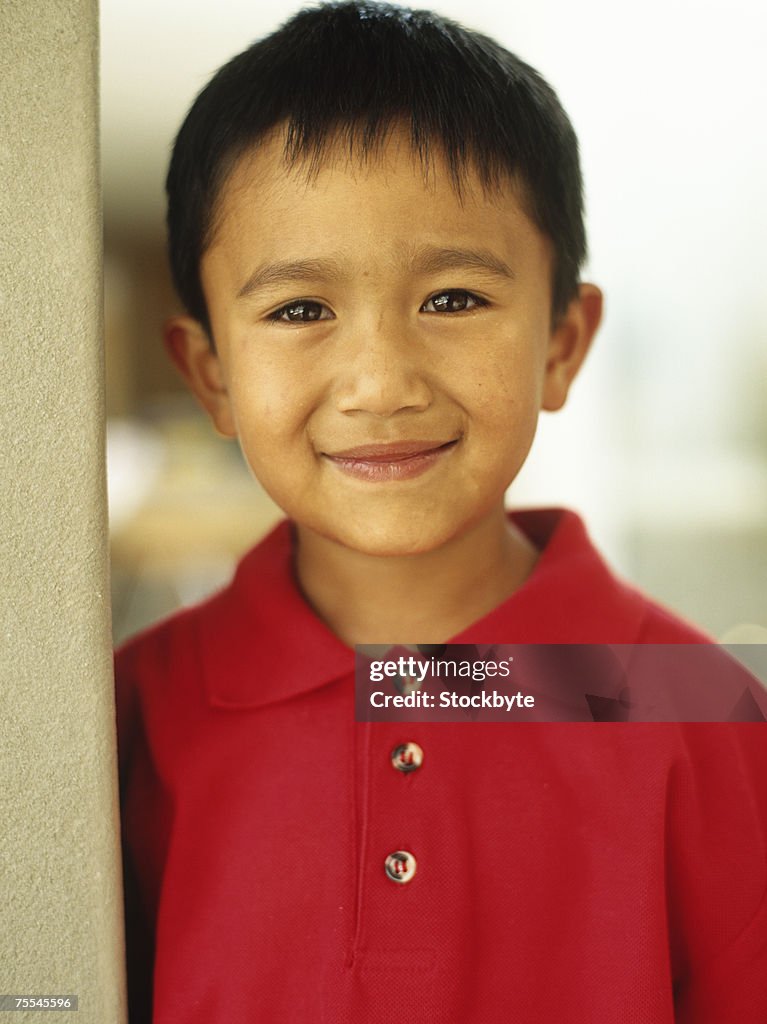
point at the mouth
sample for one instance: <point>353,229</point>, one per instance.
<point>399,460</point>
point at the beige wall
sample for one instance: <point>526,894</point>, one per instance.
<point>60,923</point>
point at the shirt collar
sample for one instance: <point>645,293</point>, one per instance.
<point>571,596</point>
<point>262,642</point>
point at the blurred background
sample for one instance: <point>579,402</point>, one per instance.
<point>663,445</point>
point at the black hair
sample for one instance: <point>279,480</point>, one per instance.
<point>354,70</point>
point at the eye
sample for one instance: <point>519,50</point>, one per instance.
<point>301,311</point>
<point>454,301</point>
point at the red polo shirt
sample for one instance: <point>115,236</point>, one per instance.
<point>597,873</point>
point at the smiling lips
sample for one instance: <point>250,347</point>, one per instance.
<point>400,460</point>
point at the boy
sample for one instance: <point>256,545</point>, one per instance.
<point>376,229</point>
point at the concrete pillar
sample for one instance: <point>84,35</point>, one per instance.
<point>60,892</point>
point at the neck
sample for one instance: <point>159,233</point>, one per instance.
<point>423,598</point>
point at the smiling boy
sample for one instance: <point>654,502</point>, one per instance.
<point>375,225</point>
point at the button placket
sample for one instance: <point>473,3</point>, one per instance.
<point>400,866</point>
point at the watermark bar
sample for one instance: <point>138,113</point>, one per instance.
<point>38,1002</point>
<point>561,683</point>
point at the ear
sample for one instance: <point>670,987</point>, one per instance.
<point>569,344</point>
<point>199,364</point>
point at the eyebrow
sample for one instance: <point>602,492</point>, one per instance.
<point>286,271</point>
<point>427,259</point>
<point>431,259</point>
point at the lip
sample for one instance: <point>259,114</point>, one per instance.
<point>398,460</point>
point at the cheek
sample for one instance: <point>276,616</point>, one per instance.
<point>505,408</point>
<point>267,400</point>
<point>272,410</point>
<point>508,391</point>
<point>511,426</point>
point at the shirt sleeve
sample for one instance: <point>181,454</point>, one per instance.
<point>718,877</point>
<point>139,939</point>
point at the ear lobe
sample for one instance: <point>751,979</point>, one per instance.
<point>199,364</point>
<point>569,345</point>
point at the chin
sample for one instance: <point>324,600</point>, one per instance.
<point>394,540</point>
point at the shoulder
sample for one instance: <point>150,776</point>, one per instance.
<point>575,596</point>
<point>660,625</point>
<point>150,656</point>
<point>164,648</point>
<point>153,668</point>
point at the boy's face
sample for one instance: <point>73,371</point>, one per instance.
<point>383,348</point>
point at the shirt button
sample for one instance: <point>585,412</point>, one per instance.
<point>407,757</point>
<point>400,866</point>
<point>407,684</point>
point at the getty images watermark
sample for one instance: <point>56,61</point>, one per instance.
<point>562,683</point>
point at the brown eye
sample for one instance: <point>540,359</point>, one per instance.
<point>301,311</point>
<point>451,302</point>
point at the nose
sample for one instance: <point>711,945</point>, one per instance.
<point>383,370</point>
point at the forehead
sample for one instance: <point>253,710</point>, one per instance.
<point>376,206</point>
